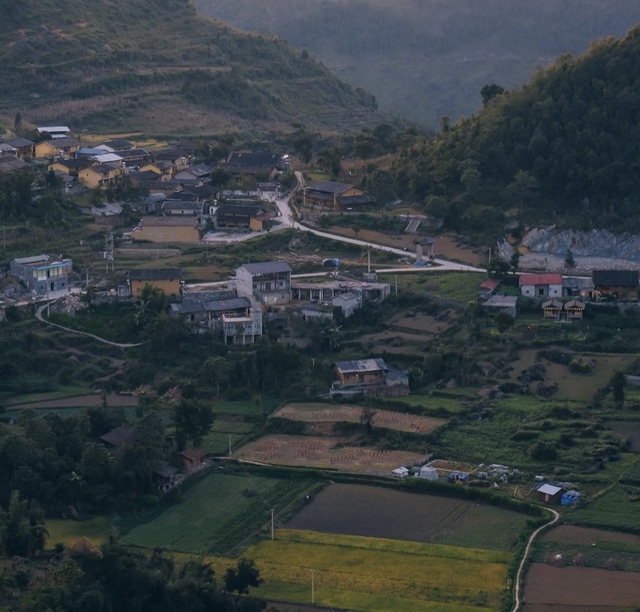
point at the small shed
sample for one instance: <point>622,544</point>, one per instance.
<point>192,458</point>
<point>428,473</point>
<point>551,309</point>
<point>401,472</point>
<point>574,309</point>
<point>549,494</point>
<point>570,498</point>
<point>458,478</point>
<point>499,303</point>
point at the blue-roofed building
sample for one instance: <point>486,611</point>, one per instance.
<point>570,498</point>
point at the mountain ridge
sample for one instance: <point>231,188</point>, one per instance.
<point>159,67</point>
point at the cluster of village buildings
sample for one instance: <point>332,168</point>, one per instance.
<point>563,298</point>
<point>182,203</point>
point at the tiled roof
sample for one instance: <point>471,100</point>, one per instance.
<point>267,267</point>
<point>155,274</point>
<point>540,279</point>
<point>361,365</point>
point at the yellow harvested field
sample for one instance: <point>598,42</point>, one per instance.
<point>385,419</point>
<point>323,452</point>
<point>386,568</point>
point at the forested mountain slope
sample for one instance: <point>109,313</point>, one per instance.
<point>159,67</point>
<point>565,146</point>
<point>428,58</point>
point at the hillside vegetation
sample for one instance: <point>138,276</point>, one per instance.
<point>156,66</point>
<point>563,149</point>
<point>428,58</point>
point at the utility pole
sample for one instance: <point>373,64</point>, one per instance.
<point>229,445</point>
<point>272,521</point>
<point>109,251</point>
<point>396,277</point>
<point>313,586</point>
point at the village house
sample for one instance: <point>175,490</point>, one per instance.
<point>207,313</point>
<point>23,147</point>
<point>268,282</point>
<point>541,285</point>
<point>327,290</point>
<point>100,175</point>
<point>621,285</point>
<point>54,131</point>
<point>192,459</point>
<point>242,330</point>
<point>57,148</point>
<point>10,163</point>
<point>241,216</point>
<point>369,377</point>
<point>70,167</point>
<point>265,164</point>
<point>339,196</point>
<point>167,280</point>
<point>198,174</point>
<point>170,207</point>
<point>347,302</point>
<point>42,274</point>
<point>167,229</point>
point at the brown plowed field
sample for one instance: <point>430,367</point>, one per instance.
<point>399,515</point>
<point>579,588</point>
<point>386,419</point>
<point>323,452</point>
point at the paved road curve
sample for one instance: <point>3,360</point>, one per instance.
<point>286,218</point>
<point>556,518</point>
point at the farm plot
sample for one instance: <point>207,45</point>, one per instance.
<point>386,419</point>
<point>594,547</point>
<point>361,510</point>
<point>323,452</point>
<point>217,513</point>
<point>629,429</point>
<point>421,323</point>
<point>375,575</point>
<point>575,588</point>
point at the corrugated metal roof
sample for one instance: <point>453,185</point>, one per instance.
<point>361,365</point>
<point>267,267</point>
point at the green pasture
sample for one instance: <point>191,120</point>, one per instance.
<point>218,513</point>
<point>460,287</point>
<point>432,404</point>
<point>61,392</point>
<point>617,508</point>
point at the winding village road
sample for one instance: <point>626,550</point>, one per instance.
<point>287,219</point>
<point>516,590</point>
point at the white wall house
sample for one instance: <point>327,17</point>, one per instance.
<point>541,286</point>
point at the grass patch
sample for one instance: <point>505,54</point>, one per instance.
<point>218,513</point>
<point>69,532</point>
<point>61,392</point>
<point>460,287</point>
<point>618,508</point>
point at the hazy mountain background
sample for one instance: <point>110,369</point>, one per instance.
<point>425,59</point>
<point>159,67</point>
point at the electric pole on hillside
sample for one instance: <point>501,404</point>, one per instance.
<point>109,251</point>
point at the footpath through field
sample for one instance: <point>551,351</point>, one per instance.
<point>556,518</point>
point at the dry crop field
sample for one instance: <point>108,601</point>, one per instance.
<point>323,452</point>
<point>361,510</point>
<point>560,589</point>
<point>386,419</point>
<point>572,534</point>
<point>629,429</point>
<point>421,323</point>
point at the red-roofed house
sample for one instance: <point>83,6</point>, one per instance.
<point>541,285</point>
<point>487,288</point>
<point>192,458</point>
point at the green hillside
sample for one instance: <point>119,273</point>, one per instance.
<point>158,67</point>
<point>564,149</point>
<point>428,58</point>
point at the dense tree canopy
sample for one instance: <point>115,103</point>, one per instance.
<point>569,140</point>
